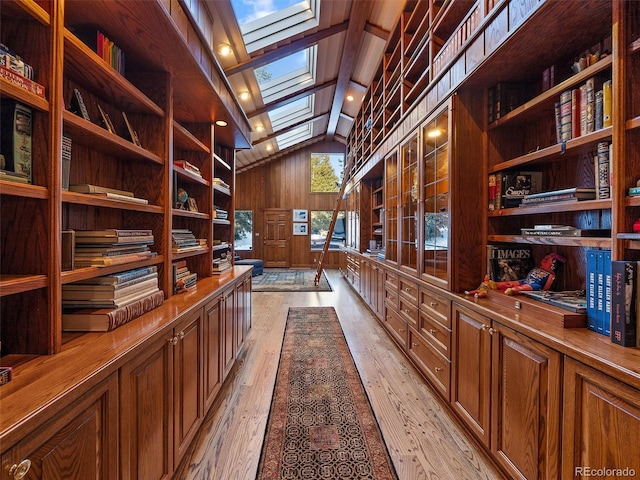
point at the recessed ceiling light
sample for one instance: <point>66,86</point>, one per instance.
<point>269,148</point>
<point>244,95</point>
<point>259,127</point>
<point>221,123</point>
<point>350,98</point>
<point>224,49</point>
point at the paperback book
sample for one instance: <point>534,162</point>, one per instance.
<point>509,262</point>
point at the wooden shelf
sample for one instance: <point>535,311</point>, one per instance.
<point>594,242</point>
<point>84,273</point>
<point>7,187</point>
<point>185,140</point>
<point>12,284</point>
<point>190,177</point>
<point>553,207</point>
<point>186,213</point>
<point>99,201</point>
<point>9,89</point>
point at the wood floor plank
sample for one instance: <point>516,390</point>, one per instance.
<point>424,440</point>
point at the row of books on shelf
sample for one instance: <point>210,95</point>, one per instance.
<point>107,302</point>
<point>613,294</point>
<point>221,183</point>
<point>105,48</point>
<point>584,109</point>
<point>508,189</point>
<point>14,69</point>
<point>189,167</point>
<point>78,107</point>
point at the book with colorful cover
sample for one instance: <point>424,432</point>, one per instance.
<point>624,283</point>
<point>574,300</point>
<point>509,262</point>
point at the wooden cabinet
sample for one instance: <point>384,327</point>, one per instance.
<point>81,442</point>
<point>188,380</point>
<point>506,388</point>
<point>146,413</point>
<point>229,334</point>
<point>601,425</point>
<point>212,349</point>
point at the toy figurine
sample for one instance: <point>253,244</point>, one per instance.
<point>539,278</point>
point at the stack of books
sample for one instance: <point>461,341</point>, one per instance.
<point>219,213</point>
<point>107,302</point>
<point>573,194</point>
<point>183,279</point>
<point>221,264</point>
<point>15,70</point>
<point>101,248</point>
<point>189,167</point>
<point>183,240</point>
<point>221,183</point>
<point>112,193</point>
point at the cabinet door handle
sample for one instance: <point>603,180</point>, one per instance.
<point>492,331</point>
<point>484,327</point>
<point>20,470</point>
<point>181,335</point>
<point>173,340</point>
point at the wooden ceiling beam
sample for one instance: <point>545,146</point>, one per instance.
<point>360,12</point>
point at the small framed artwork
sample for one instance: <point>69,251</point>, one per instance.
<point>299,228</point>
<point>300,216</point>
<point>192,206</point>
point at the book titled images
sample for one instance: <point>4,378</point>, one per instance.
<point>507,263</point>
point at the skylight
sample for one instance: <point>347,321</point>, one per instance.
<point>265,22</point>
<point>292,113</point>
<point>297,135</point>
<point>287,75</point>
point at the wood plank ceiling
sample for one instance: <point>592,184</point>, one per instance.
<point>350,39</point>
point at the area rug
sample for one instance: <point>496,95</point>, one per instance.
<point>284,280</point>
<point>321,425</point>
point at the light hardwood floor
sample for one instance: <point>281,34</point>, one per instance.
<point>423,439</point>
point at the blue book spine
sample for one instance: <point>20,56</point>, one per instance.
<point>591,290</point>
<point>600,291</point>
<point>607,292</point>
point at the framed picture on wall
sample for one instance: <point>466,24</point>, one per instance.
<point>300,216</point>
<point>300,229</point>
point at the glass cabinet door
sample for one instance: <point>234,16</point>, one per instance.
<point>409,198</point>
<point>435,139</point>
<point>391,208</point>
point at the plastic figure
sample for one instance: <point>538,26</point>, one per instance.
<point>539,278</point>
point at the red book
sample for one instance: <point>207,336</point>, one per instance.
<point>23,82</point>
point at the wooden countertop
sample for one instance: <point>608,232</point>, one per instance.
<point>42,382</point>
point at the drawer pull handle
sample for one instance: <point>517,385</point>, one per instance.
<point>438,369</point>
<point>432,331</point>
<point>407,289</point>
<point>20,470</point>
<point>414,345</point>
<point>401,330</point>
<point>433,304</point>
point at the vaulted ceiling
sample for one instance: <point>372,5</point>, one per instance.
<point>344,41</point>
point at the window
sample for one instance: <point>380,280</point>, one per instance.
<point>243,230</point>
<point>326,172</point>
<point>320,220</point>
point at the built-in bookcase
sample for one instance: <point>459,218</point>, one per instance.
<point>137,124</point>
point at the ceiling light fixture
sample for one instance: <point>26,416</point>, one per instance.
<point>269,148</point>
<point>221,123</point>
<point>244,95</point>
<point>350,98</point>
<point>259,127</point>
<point>224,49</point>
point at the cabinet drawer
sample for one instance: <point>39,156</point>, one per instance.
<point>436,368</point>
<point>437,334</point>
<point>391,281</point>
<point>436,306</point>
<point>391,298</point>
<point>409,290</point>
<point>396,326</point>
<point>408,312</point>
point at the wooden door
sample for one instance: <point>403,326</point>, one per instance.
<point>277,233</point>
<point>213,347</point>
<point>471,374</point>
<point>601,425</point>
<point>525,410</point>
<point>188,381</point>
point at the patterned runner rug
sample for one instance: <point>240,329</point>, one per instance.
<point>283,280</point>
<point>321,425</point>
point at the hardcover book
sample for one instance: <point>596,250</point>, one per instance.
<point>509,262</point>
<point>105,320</point>
<point>574,301</point>
<point>623,302</point>
<point>515,186</point>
